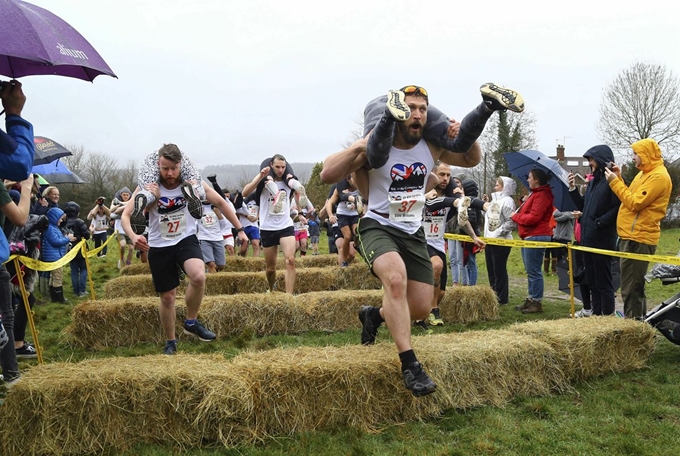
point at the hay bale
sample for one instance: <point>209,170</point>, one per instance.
<point>249,264</point>
<point>135,269</point>
<point>591,347</point>
<point>307,280</point>
<point>109,405</point>
<point>125,322</point>
<point>310,388</point>
<point>468,304</point>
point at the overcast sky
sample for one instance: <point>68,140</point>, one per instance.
<point>233,82</point>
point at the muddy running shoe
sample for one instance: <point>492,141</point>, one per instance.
<point>416,380</point>
<point>359,203</point>
<point>435,318</point>
<point>463,205</point>
<point>137,219</point>
<point>396,105</point>
<point>369,329</point>
<point>277,204</point>
<point>303,198</point>
<point>193,201</point>
<point>494,215</point>
<point>498,98</point>
<point>198,330</point>
<point>422,325</point>
<point>170,347</point>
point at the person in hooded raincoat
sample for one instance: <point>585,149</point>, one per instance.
<point>643,206</point>
<point>599,208</point>
<point>497,255</point>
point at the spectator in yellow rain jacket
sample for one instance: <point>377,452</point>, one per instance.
<point>643,206</point>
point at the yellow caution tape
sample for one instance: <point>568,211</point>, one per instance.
<point>542,245</point>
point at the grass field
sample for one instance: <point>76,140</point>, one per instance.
<point>635,413</point>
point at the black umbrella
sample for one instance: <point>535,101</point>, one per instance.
<point>47,151</point>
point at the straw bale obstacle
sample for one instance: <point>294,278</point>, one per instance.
<point>250,264</point>
<point>108,405</point>
<point>131,321</point>
<point>354,277</point>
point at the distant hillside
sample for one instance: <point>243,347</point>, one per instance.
<point>236,176</point>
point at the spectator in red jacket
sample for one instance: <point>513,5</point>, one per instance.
<point>533,220</point>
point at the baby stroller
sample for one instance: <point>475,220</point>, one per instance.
<point>666,316</point>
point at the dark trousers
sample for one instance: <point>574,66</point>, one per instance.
<point>8,356</point>
<point>20,316</point>
<point>633,278</point>
<point>99,239</point>
<point>579,264</point>
<point>600,281</point>
<point>79,275</point>
<point>497,269</point>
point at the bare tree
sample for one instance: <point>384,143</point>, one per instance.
<point>77,162</point>
<point>642,102</point>
<point>356,133</point>
<point>507,132</point>
<point>98,173</point>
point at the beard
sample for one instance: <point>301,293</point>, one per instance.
<point>411,138</point>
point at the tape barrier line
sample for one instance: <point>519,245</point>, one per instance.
<point>38,265</point>
<point>541,245</point>
<point>93,252</point>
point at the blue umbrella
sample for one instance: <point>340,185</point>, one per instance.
<point>57,173</point>
<point>520,163</point>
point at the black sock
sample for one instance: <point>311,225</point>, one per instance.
<point>407,359</point>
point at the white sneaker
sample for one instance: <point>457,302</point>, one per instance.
<point>463,205</point>
<point>303,198</point>
<point>277,204</point>
<point>396,105</point>
<point>584,313</point>
<point>494,215</point>
<point>359,203</point>
<point>499,98</point>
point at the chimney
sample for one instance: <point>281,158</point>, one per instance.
<point>560,152</point>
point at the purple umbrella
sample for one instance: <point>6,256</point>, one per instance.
<point>34,41</point>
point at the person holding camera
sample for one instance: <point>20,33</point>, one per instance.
<point>16,161</point>
<point>99,224</point>
<point>599,208</point>
<point>638,224</point>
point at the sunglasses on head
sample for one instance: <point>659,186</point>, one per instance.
<point>414,90</point>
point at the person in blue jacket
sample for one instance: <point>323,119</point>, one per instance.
<point>16,161</point>
<point>54,247</point>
